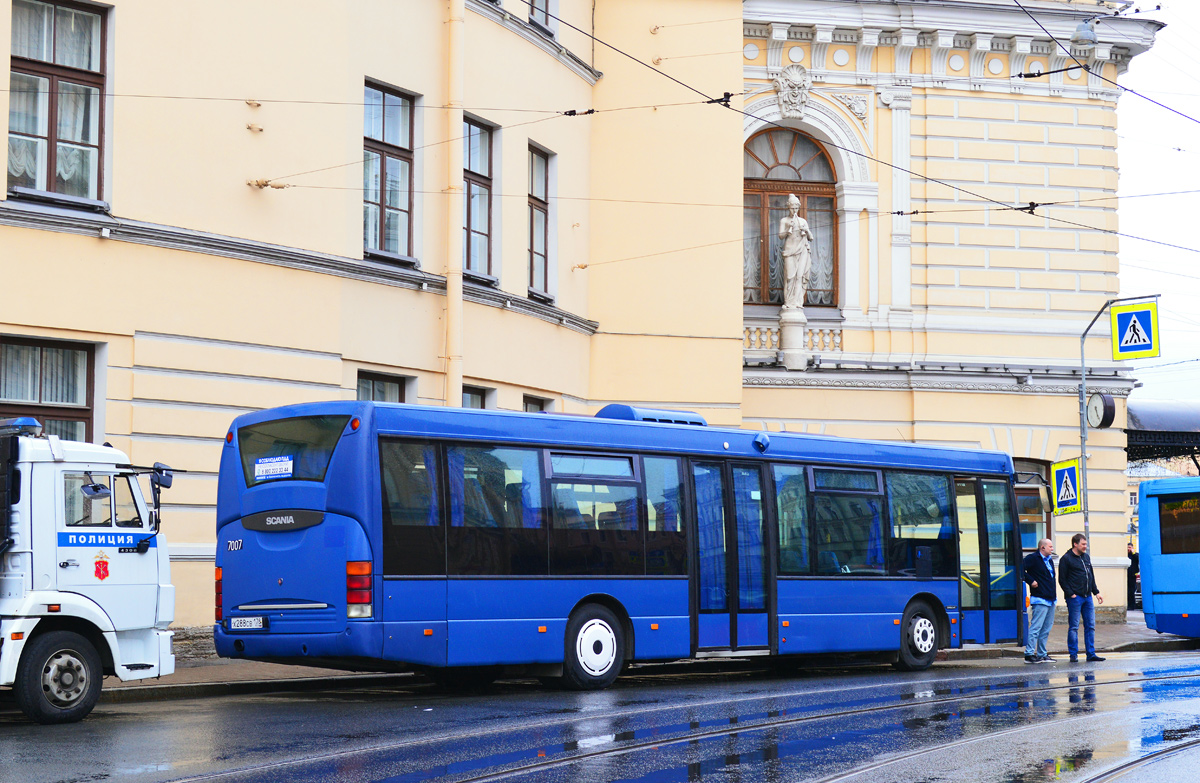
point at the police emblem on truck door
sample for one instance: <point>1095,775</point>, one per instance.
<point>101,566</point>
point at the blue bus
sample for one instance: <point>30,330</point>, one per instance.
<point>1169,534</point>
<point>468,543</point>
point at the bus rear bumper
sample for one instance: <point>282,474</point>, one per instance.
<point>357,641</point>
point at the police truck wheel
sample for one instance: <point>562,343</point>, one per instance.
<point>595,649</point>
<point>919,638</point>
<point>58,679</point>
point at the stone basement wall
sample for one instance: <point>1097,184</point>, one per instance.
<point>194,643</point>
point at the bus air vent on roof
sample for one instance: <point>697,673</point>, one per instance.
<point>630,413</point>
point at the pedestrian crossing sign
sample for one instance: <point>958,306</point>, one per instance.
<point>1135,330</point>
<point>1065,479</point>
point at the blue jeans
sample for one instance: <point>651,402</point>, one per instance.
<point>1040,622</point>
<point>1081,606</point>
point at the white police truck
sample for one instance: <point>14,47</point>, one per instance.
<point>85,579</point>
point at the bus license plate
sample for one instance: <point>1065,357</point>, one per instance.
<point>245,623</point>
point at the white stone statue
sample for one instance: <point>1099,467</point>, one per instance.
<point>791,91</point>
<point>797,256</point>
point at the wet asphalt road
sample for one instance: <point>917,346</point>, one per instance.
<point>993,722</point>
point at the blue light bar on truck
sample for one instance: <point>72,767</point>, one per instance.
<point>22,425</point>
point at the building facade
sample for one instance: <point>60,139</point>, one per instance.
<point>535,206</point>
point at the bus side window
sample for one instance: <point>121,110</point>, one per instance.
<point>919,507</point>
<point>849,533</point>
<point>413,536</point>
<point>666,542</point>
<point>497,517</point>
<point>791,509</point>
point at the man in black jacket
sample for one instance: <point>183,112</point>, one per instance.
<point>1039,575</point>
<point>1078,582</point>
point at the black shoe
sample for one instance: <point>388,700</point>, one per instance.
<point>1046,659</point>
<point>1094,659</point>
<point>1031,659</point>
<point>1074,659</point>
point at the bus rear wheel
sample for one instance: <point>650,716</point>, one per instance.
<point>919,639</point>
<point>58,679</point>
<point>595,651</point>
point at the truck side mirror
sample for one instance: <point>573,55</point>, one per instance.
<point>162,476</point>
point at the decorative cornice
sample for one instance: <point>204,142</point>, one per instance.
<point>534,36</point>
<point>66,221</point>
<point>901,382</point>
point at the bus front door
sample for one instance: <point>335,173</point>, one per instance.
<point>731,606</point>
<point>988,578</point>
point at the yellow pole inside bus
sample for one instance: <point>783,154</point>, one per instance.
<point>455,22</point>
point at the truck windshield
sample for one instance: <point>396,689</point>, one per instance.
<point>297,449</point>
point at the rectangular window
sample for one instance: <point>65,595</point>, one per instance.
<point>1179,521</point>
<point>539,220</point>
<point>474,397</point>
<point>922,526</point>
<point>87,500</point>
<point>791,509</point>
<point>666,542</point>
<point>56,90</point>
<point>539,12</point>
<point>849,535</point>
<point>596,529</point>
<point>380,388</point>
<point>387,172</point>
<point>49,381</point>
<point>841,480</point>
<point>534,404</point>
<point>1133,496</point>
<point>414,540</point>
<point>497,515</point>
<point>477,198</point>
<point>591,465</point>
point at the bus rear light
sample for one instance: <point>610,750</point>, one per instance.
<point>358,588</point>
<point>229,437</point>
<point>218,597</point>
<point>355,423</point>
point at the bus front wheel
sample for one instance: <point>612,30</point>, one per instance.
<point>58,679</point>
<point>595,649</point>
<point>919,639</point>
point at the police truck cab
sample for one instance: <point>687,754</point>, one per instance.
<point>85,580</point>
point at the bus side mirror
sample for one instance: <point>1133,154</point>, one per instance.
<point>1044,495</point>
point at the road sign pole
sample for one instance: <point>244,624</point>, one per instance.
<point>1083,457</point>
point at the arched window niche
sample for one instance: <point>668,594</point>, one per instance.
<point>778,162</point>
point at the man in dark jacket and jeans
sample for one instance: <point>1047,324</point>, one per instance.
<point>1078,582</point>
<point>1039,575</point>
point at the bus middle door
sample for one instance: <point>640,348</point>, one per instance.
<point>731,606</point>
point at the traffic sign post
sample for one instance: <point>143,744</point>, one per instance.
<point>1134,336</point>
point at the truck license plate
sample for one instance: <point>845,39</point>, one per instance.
<point>245,623</point>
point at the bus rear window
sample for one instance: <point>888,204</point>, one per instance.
<point>297,449</point>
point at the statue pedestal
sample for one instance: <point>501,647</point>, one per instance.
<point>793,338</point>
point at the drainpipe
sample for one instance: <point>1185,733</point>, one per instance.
<point>455,22</point>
